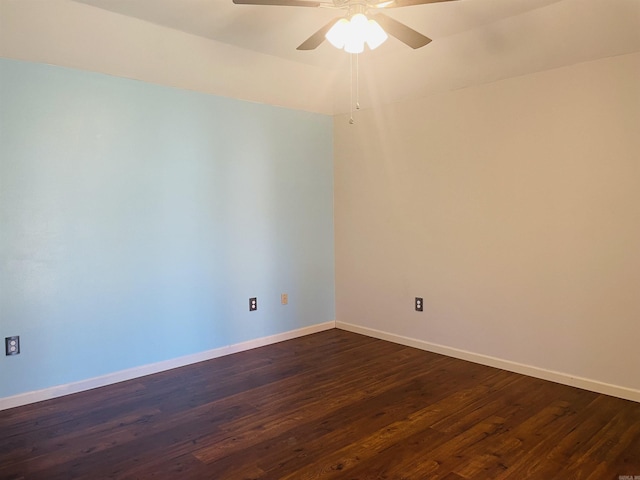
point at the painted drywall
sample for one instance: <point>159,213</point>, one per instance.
<point>71,34</point>
<point>513,208</point>
<point>474,43</point>
<point>136,221</point>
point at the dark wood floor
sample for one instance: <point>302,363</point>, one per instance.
<point>333,405</point>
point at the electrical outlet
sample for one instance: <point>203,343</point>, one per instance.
<point>12,345</point>
<point>253,304</point>
<point>419,304</point>
<point>284,299</point>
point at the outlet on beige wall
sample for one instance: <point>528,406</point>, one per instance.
<point>513,208</point>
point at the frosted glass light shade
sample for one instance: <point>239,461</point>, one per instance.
<point>359,26</point>
<point>354,45</point>
<point>337,35</point>
<point>376,36</point>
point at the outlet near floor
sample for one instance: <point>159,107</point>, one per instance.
<point>12,345</point>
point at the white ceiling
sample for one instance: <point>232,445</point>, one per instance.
<point>474,41</point>
<point>277,30</point>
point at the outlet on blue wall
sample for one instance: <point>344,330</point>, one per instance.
<point>136,220</point>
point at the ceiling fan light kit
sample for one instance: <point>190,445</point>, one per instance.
<point>351,31</point>
<point>354,33</point>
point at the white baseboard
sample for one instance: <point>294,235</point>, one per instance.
<point>558,377</point>
<point>136,372</point>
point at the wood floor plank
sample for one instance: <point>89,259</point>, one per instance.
<point>294,448</point>
<point>279,416</point>
<point>332,405</point>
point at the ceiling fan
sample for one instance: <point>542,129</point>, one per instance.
<point>352,30</point>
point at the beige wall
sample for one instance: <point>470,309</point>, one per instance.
<point>513,208</point>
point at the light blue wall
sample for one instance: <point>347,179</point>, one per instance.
<point>136,220</point>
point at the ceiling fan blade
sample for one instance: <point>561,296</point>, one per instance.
<point>401,31</point>
<point>284,3</point>
<point>317,38</point>
<point>408,3</point>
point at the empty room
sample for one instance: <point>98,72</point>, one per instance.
<point>334,239</point>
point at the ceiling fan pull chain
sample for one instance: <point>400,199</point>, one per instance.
<point>351,88</point>
<point>357,81</point>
